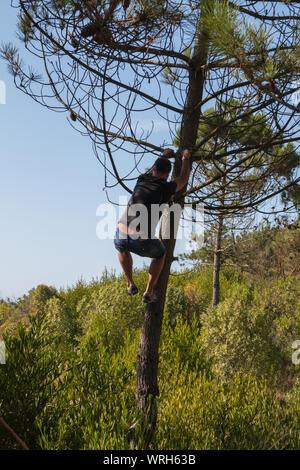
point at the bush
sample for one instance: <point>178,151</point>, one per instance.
<point>27,380</point>
<point>95,408</point>
<point>14,312</point>
<point>182,350</point>
<point>110,313</point>
<point>190,294</point>
<point>242,413</point>
<point>253,329</point>
<point>69,381</point>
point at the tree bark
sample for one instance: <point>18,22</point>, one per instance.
<point>217,262</point>
<point>148,357</point>
<point>147,363</point>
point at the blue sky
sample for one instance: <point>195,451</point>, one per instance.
<point>51,186</point>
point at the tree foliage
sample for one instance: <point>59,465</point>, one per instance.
<point>121,68</point>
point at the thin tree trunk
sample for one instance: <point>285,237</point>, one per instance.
<point>147,364</point>
<point>217,262</point>
<point>148,357</point>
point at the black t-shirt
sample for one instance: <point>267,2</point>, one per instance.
<point>149,191</point>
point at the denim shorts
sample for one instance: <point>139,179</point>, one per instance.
<point>149,248</point>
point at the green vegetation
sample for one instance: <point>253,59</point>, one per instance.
<point>226,375</point>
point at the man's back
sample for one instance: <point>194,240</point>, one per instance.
<point>148,191</point>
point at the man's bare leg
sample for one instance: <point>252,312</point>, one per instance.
<point>154,272</point>
<point>126,262</point>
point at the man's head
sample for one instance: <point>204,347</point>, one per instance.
<point>161,168</point>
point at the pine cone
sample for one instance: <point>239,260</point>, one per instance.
<point>101,32</point>
<point>90,30</point>
<point>74,42</point>
<point>104,36</point>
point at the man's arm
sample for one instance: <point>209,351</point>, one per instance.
<point>185,171</point>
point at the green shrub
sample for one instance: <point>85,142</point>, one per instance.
<point>69,381</point>
<point>182,350</point>
<point>190,294</point>
<point>177,304</point>
<point>27,380</point>
<point>242,413</point>
<point>95,408</point>
<point>72,296</point>
<point>253,329</point>
<point>110,313</point>
<point>14,312</point>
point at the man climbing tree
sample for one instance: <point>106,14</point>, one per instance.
<point>151,189</point>
<point>116,66</point>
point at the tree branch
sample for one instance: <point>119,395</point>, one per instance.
<point>96,72</point>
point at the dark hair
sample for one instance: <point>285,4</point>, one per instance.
<point>162,165</point>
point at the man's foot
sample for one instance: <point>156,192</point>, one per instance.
<point>149,298</point>
<point>132,290</point>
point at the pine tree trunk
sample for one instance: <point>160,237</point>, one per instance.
<point>148,352</point>
<point>217,263</point>
<point>147,363</point>
<point>148,357</point>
